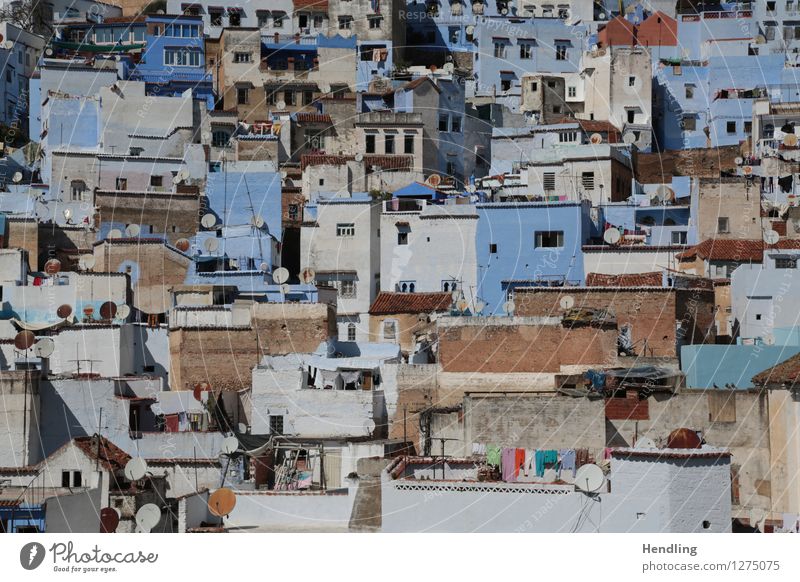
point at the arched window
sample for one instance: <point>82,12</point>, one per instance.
<point>77,189</point>
<point>404,287</point>
<point>446,287</point>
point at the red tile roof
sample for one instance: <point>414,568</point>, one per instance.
<point>593,125</point>
<point>111,456</point>
<point>738,250</point>
<point>318,4</point>
<point>652,279</point>
<point>313,118</point>
<point>388,303</point>
<point>779,226</point>
<point>787,372</point>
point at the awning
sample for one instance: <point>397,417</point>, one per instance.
<point>40,326</point>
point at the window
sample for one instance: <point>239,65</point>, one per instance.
<point>275,424</point>
<point>242,95</point>
<point>525,50</point>
<point>77,479</point>
<point>308,97</point>
<point>278,19</point>
<point>389,330</point>
<point>587,179</point>
<point>122,183</point>
<point>402,237</point>
<point>455,124</point>
<point>572,92</point>
<point>443,121</point>
<point>748,127</point>
<point>294,211</point>
<point>505,84</point>
<point>561,52</point>
<point>631,115</point>
<point>730,127</point>
<point>567,136</point>
<point>351,332</point>
<point>345,229</point>
<point>71,479</point>
<point>242,57</point>
<point>263,18</point>
<point>492,248</point>
<point>758,317</point>
<point>723,225</point>
<point>550,239</point>
<point>786,262</point>
<point>179,57</point>
<point>347,288</point>
<point>534,86</point>
<point>679,237</point>
<point>272,96</point>
<point>689,91</point>
<point>375,22</point>
<point>345,22</point>
<point>499,49</point>
<point>689,123</point>
<point>77,189</point>
<point>408,144</point>
<point>454,34</point>
<point>388,144</point>
<point>156,181</point>
<point>216,17</point>
<point>219,139</point>
<point>407,286</point>
<point>65,478</point>
<point>370,143</point>
<point>289,97</point>
<point>549,181</point>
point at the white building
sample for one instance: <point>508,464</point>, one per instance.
<point>339,241</point>
<point>19,52</point>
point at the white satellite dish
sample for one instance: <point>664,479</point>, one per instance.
<point>359,157</point>
<point>612,236</point>
<point>595,139</point>
<point>308,275</point>
<point>462,305</point>
<point>148,517</point>
<point>86,262</point>
<point>183,174</point>
<point>264,267</point>
<point>67,213</point>
<point>456,295</point>
<point>589,478</point>
<point>258,221</point>
<point>44,348</point>
<point>135,469</point>
<point>123,311</point>
<point>470,30</point>
<point>479,306</point>
<point>229,445</point>
<point>509,307</point>
<point>49,52</point>
<point>747,170</point>
<point>757,515</point>
<point>208,221</point>
<point>280,275</point>
<point>771,237</point>
<point>644,443</point>
<point>242,427</point>
<point>281,105</point>
<point>285,289</point>
<point>567,302</point>
<point>176,179</point>
<point>115,233</point>
<point>628,138</point>
<point>448,68</point>
<point>211,245</point>
<point>17,177</point>
<point>738,161</point>
<point>133,230</point>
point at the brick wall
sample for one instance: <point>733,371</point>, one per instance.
<point>173,214</point>
<point>505,345</point>
<point>24,234</point>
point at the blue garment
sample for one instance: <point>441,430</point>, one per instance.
<point>539,463</point>
<point>568,460</point>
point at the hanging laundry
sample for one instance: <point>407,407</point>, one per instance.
<point>785,182</point>
<point>607,453</point>
<point>519,462</point>
<point>530,461</point>
<point>539,463</point>
<point>581,458</point>
<point>507,465</point>
<point>171,423</point>
<point>493,455</point>
<point>478,449</point>
<point>568,457</point>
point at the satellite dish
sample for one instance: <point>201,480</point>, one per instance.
<point>504,11</point>
<point>208,221</point>
<point>790,140</point>
<point>242,427</point>
<point>307,276</point>
<point>108,310</point>
<point>567,302</point>
<point>462,305</point>
<point>109,520</point>
<point>280,275</point>
<point>44,348</point>
<point>182,244</point>
<point>747,170</point>
<point>133,230</point>
<point>258,221</point>
<point>771,237</point>
<point>644,443</point>
<point>176,179</point>
<point>52,267</point>
<point>456,295</point>
<point>17,177</point>
<point>115,233</point>
<point>123,311</point>
<point>198,390</point>
<point>738,161</point>
<point>479,306</point>
<point>589,478</point>
<point>602,16</point>
<point>263,267</point>
<point>64,311</point>
<point>761,39</point>
<point>612,236</point>
<point>359,157</point>
<point>211,244</point>
<point>470,30</point>
<point>434,180</point>
<point>628,138</point>
<point>229,445</point>
<point>449,68</point>
<point>281,105</point>
<point>595,139</point>
<point>135,469</point>
<point>286,289</point>
<point>67,214</point>
<point>148,516</point>
<point>222,502</point>
<point>757,515</point>
<point>24,340</point>
<point>49,52</point>
<point>509,307</point>
<point>86,262</point>
<point>183,175</point>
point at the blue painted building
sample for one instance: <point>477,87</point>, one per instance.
<point>707,366</point>
<point>174,58</point>
<point>529,244</point>
<point>22,518</point>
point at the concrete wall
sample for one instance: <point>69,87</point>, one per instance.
<point>292,511</point>
<point>19,427</point>
<point>621,261</point>
<point>707,365</point>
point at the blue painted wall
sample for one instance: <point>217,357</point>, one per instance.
<point>706,365</point>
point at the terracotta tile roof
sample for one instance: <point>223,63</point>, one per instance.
<point>388,303</point>
<point>318,4</point>
<point>652,279</point>
<point>787,372</point>
<point>779,226</point>
<point>111,456</point>
<point>313,118</point>
<point>592,126</point>
<point>739,250</point>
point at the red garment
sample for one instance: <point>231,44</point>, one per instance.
<point>519,460</point>
<point>172,422</point>
<point>37,281</point>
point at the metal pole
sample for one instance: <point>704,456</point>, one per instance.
<point>405,436</point>
<point>99,428</point>
<point>196,486</point>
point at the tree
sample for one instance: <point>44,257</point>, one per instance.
<point>33,16</point>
